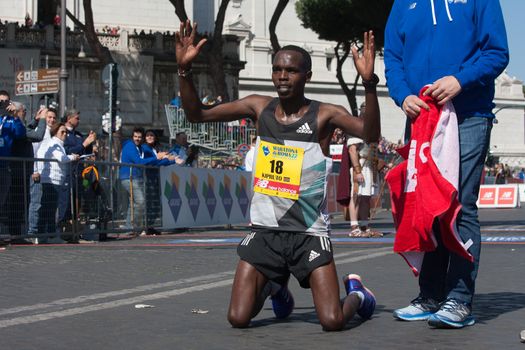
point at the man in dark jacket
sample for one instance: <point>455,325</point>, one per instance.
<point>75,143</point>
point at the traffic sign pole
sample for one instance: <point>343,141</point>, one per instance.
<point>63,69</point>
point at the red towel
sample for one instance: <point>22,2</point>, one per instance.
<point>423,188</point>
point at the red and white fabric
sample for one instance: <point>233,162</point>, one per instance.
<point>424,187</point>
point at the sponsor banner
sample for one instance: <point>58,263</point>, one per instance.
<point>204,197</point>
<point>498,196</point>
<point>521,191</point>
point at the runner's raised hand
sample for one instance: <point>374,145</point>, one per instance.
<point>364,62</point>
<point>185,49</point>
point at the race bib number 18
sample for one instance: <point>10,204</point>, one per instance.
<point>278,170</point>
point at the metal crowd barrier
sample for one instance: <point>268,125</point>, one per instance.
<point>96,201</point>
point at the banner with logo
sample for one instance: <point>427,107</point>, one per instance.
<point>498,196</point>
<point>204,197</point>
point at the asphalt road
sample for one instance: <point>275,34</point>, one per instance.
<point>85,296</point>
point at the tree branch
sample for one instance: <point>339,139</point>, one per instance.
<point>281,5</point>
<point>180,9</point>
<point>102,52</point>
<point>76,21</point>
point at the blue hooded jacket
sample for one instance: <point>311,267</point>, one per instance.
<point>11,129</point>
<point>426,40</point>
<point>134,154</point>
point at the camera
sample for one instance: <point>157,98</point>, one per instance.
<point>3,107</point>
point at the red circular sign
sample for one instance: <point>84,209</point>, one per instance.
<point>243,149</point>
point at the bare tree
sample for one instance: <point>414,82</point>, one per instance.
<point>100,51</point>
<point>180,9</point>
<point>281,5</point>
<point>214,55</point>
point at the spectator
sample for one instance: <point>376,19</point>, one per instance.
<point>182,149</point>
<point>20,170</point>
<point>52,177</point>
<point>521,174</point>
<point>500,174</point>
<point>132,178</point>
<point>248,159</point>
<point>364,162</point>
<point>151,149</point>
<point>75,143</point>
<point>35,187</point>
<point>458,48</point>
<point>176,101</point>
<point>11,128</point>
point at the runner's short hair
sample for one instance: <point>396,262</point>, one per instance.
<point>307,60</point>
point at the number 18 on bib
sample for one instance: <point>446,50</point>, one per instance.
<point>278,170</point>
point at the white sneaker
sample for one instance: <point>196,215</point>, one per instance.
<point>452,314</point>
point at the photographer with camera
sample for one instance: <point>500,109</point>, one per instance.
<point>11,128</point>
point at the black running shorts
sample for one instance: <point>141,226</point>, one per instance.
<point>277,254</point>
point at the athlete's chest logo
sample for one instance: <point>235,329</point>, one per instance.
<point>304,129</point>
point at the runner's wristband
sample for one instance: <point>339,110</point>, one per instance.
<point>372,83</point>
<point>184,72</point>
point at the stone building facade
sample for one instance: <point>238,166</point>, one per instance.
<point>150,69</point>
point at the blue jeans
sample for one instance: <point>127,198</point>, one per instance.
<point>444,274</point>
<point>137,201</point>
<point>35,191</point>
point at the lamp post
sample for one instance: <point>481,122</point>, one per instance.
<point>63,71</point>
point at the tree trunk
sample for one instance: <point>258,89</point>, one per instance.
<point>215,57</point>
<point>180,9</point>
<point>281,5</point>
<point>350,93</point>
<point>101,52</point>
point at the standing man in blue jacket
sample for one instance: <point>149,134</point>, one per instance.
<point>458,47</point>
<point>11,128</point>
<point>132,178</point>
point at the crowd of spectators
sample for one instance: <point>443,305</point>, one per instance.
<point>500,174</point>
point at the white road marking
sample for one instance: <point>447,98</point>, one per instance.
<point>340,259</point>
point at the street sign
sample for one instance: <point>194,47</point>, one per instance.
<point>243,149</point>
<point>34,82</point>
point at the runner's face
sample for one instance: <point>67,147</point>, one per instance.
<point>289,75</point>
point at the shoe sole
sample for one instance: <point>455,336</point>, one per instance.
<point>409,318</point>
<point>440,322</point>
<point>357,277</point>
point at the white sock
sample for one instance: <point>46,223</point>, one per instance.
<point>354,223</point>
<point>360,295</point>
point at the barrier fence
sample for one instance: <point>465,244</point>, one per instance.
<point>91,201</point>
<point>94,200</point>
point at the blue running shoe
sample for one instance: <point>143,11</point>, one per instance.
<point>353,284</point>
<point>282,303</point>
<point>452,314</point>
<point>420,309</point>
